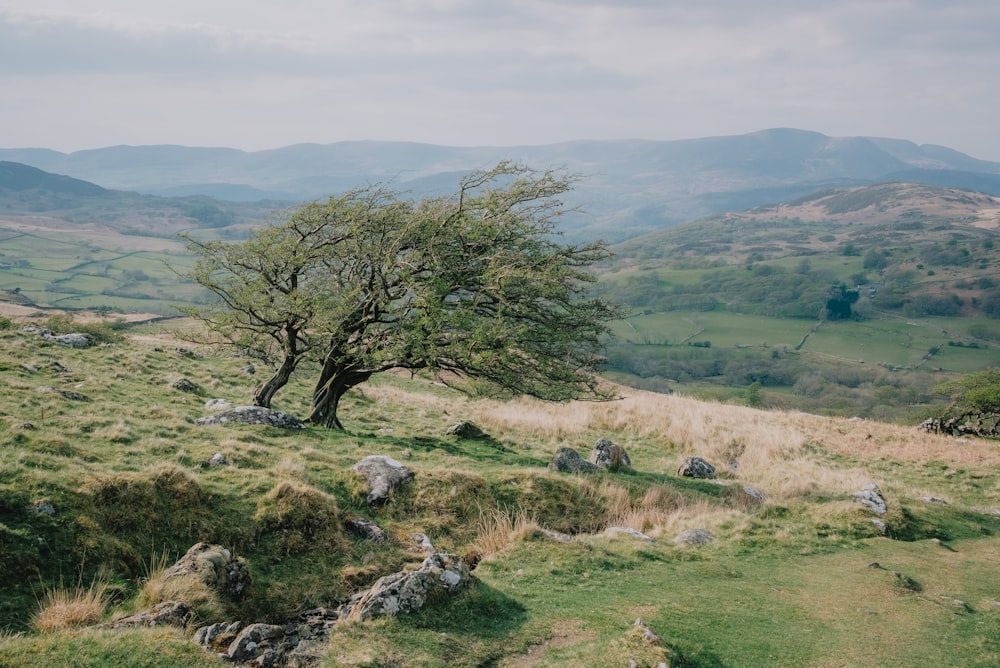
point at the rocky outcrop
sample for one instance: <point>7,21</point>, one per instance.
<point>74,340</point>
<point>569,460</point>
<point>696,467</point>
<point>216,567</point>
<point>383,475</point>
<point>253,415</point>
<point>168,613</point>
<point>407,591</point>
<point>870,496</point>
<point>466,429</point>
<point>610,456</point>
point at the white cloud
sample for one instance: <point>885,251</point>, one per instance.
<point>264,74</point>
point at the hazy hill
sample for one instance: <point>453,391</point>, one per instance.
<point>629,186</point>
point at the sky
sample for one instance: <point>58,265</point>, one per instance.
<point>256,74</point>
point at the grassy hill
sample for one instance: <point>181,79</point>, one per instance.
<point>105,488</point>
<point>827,301</point>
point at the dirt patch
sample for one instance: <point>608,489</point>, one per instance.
<point>564,634</point>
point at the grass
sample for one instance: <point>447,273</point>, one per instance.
<point>786,582</point>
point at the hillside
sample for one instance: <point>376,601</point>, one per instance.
<point>906,276</point>
<point>628,187</point>
<point>106,479</point>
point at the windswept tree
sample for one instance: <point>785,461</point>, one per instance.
<point>473,286</point>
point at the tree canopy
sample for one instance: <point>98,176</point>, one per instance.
<point>471,286</point>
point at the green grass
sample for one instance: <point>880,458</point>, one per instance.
<point>786,583</point>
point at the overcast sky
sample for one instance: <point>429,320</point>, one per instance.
<point>254,74</point>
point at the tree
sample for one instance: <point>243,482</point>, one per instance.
<point>473,286</point>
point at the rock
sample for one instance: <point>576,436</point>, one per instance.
<point>216,567</point>
<point>184,352</point>
<point>218,405</point>
<point>217,637</point>
<point>647,633</point>
<point>694,537</point>
<point>934,499</point>
<point>882,527</point>
<point>75,340</point>
<point>618,531</point>
<point>466,429</point>
<point>570,461</point>
<point>249,369</point>
<point>42,508</point>
<point>407,591</point>
<point>218,459</point>
<point>256,642</point>
<point>168,613</point>
<point>383,475</point>
<point>696,467</point>
<point>610,456</point>
<point>557,536</point>
<point>424,542</point>
<point>754,494</point>
<point>253,415</point>
<point>26,426</point>
<point>871,498</point>
<point>184,385</point>
<point>366,529</point>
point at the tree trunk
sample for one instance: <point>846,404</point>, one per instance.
<point>265,392</point>
<point>334,381</point>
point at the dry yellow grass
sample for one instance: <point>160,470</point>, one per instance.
<point>62,609</point>
<point>500,528</point>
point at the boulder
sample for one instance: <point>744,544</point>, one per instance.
<point>407,591</point>
<point>383,475</point>
<point>260,643</point>
<point>610,456</point>
<point>871,498</point>
<point>184,385</point>
<point>570,461</point>
<point>253,415</point>
<point>694,537</point>
<point>696,467</point>
<point>754,493</point>
<point>216,567</point>
<point>466,429</point>
<point>218,405</point>
<point>366,529</point>
<point>217,460</point>
<point>626,531</point>
<point>168,613</point>
<point>74,340</point>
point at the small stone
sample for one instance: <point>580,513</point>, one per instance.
<point>184,385</point>
<point>618,531</point>
<point>694,537</point>
<point>26,426</point>
<point>218,459</point>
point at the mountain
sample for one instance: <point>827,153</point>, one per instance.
<point>19,178</point>
<point>627,187</point>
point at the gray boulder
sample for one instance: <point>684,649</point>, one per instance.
<point>260,643</point>
<point>74,340</point>
<point>696,467</point>
<point>168,613</point>
<point>870,496</point>
<point>383,475</point>
<point>569,460</point>
<point>611,532</point>
<point>216,567</point>
<point>610,456</point>
<point>217,460</point>
<point>407,591</point>
<point>694,537</point>
<point>253,415</point>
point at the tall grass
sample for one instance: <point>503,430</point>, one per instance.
<point>67,608</point>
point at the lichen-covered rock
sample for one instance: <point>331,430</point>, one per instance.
<point>383,475</point>
<point>696,467</point>
<point>610,456</point>
<point>168,613</point>
<point>626,531</point>
<point>184,385</point>
<point>870,496</point>
<point>216,567</point>
<point>217,460</point>
<point>74,340</point>
<point>694,537</point>
<point>253,415</point>
<point>569,460</point>
<point>261,643</point>
<point>408,591</point>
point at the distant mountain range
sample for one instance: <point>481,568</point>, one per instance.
<point>627,188</point>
